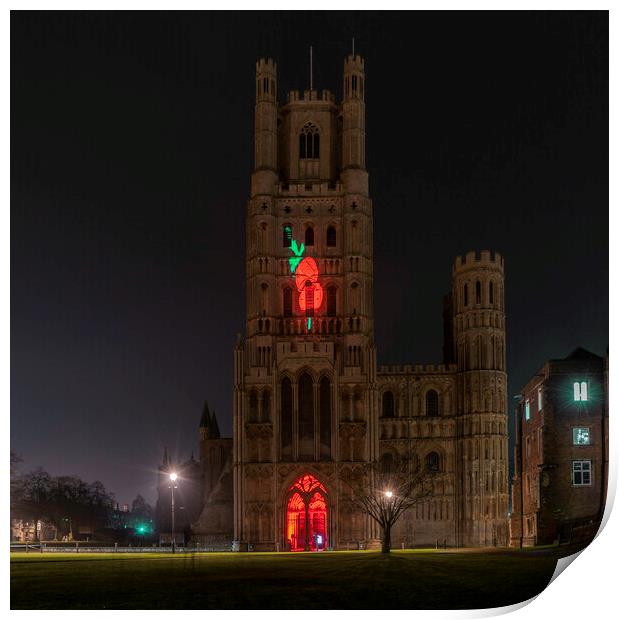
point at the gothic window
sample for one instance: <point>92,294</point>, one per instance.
<point>491,292</point>
<point>386,463</point>
<point>431,403</point>
<point>466,295</point>
<point>287,235</point>
<point>253,406</point>
<point>331,301</point>
<point>331,237</point>
<point>309,142</point>
<point>309,236</point>
<point>325,418</point>
<point>287,301</point>
<point>306,418</point>
<point>286,419</point>
<point>433,461</point>
<point>266,406</point>
<point>478,292</point>
<point>388,405</point>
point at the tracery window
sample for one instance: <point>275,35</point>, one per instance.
<point>388,405</point>
<point>309,142</point>
<point>331,237</point>
<point>431,403</point>
<point>309,236</point>
<point>286,418</point>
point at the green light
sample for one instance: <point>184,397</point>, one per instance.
<point>298,253</point>
<point>309,323</point>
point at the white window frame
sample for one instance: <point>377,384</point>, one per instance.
<point>577,428</point>
<point>581,391</point>
<point>582,468</point>
<point>527,409</point>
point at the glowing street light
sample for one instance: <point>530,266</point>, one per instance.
<point>173,477</point>
<point>389,494</point>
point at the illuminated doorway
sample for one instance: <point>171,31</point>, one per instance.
<point>306,515</point>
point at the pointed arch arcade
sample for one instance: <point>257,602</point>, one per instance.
<point>307,514</point>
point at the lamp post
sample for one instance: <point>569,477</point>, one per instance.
<point>173,478</point>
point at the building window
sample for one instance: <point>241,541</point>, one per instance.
<point>325,418</point>
<point>491,292</point>
<point>527,409</point>
<point>581,391</point>
<point>287,301</point>
<point>309,236</point>
<point>388,408</point>
<point>540,400</point>
<point>432,461</point>
<point>331,301</point>
<point>581,436</point>
<point>431,403</point>
<point>581,473</point>
<point>287,235</point>
<point>309,142</point>
<point>478,292</point>
<point>331,237</point>
<point>466,295</point>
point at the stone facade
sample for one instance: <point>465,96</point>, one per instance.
<point>310,404</point>
<point>561,452</point>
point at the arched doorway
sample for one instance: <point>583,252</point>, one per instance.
<point>306,515</point>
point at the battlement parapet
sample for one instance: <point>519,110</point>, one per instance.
<point>473,260</point>
<point>323,96</point>
<point>354,61</point>
<point>266,65</point>
<point>417,369</point>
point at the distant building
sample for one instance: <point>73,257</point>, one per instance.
<point>196,488</point>
<point>561,452</point>
<point>25,530</point>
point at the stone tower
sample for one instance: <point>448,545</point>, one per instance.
<point>481,417</point>
<point>304,372</point>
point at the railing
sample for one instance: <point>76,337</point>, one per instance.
<point>45,548</point>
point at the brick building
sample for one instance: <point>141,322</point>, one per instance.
<point>561,452</point>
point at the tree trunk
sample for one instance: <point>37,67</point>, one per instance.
<point>386,542</point>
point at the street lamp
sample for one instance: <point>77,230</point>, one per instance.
<point>389,494</point>
<point>173,478</point>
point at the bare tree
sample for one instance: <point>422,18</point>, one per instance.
<point>386,489</point>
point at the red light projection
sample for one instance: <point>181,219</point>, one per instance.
<point>306,517</point>
<point>306,279</point>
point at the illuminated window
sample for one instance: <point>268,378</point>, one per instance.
<point>309,236</point>
<point>540,400</point>
<point>287,236</point>
<point>431,403</point>
<point>581,473</point>
<point>309,142</point>
<point>527,409</point>
<point>287,301</point>
<point>432,461</point>
<point>388,408</point>
<point>581,391</point>
<point>331,301</point>
<point>581,436</point>
<point>331,237</point>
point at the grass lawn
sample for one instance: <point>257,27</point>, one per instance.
<point>342,580</point>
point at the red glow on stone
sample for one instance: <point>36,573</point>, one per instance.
<point>306,270</point>
<point>306,518</point>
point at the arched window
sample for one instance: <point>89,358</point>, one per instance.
<point>331,237</point>
<point>491,292</point>
<point>478,292</point>
<point>286,419</point>
<point>386,463</point>
<point>431,403</point>
<point>433,462</point>
<point>306,418</point>
<point>309,236</point>
<point>287,301</point>
<point>287,235</point>
<point>309,142</point>
<point>266,406</point>
<point>253,406</point>
<point>388,406</point>
<point>331,301</point>
<point>466,295</point>
<point>325,418</point>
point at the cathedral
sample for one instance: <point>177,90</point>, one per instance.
<point>311,404</point>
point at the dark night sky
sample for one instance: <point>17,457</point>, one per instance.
<point>131,150</point>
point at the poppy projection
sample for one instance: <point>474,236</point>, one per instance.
<point>306,515</point>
